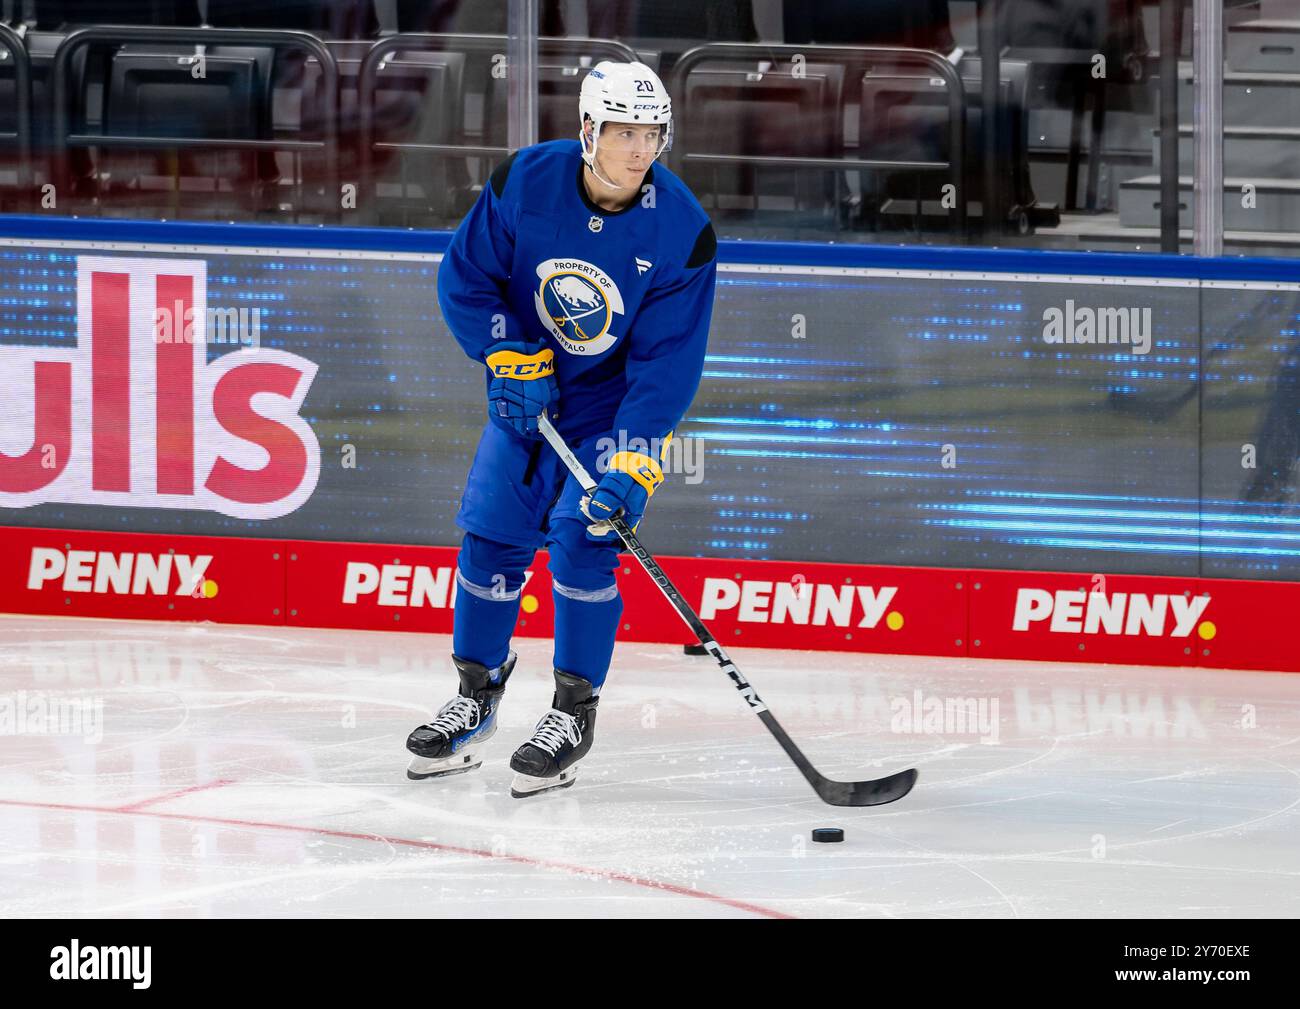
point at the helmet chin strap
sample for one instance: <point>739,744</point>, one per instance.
<point>612,185</point>
<point>591,164</point>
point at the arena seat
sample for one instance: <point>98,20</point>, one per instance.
<point>88,73</point>
<point>738,110</point>
<point>419,99</point>
<point>471,115</point>
<point>152,93</point>
<point>903,116</point>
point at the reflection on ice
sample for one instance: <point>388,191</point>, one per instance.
<point>153,769</point>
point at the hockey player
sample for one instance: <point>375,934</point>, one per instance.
<point>582,279</point>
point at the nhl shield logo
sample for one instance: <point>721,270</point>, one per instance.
<point>596,223</point>
<point>577,303</point>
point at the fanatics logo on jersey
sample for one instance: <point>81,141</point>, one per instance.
<point>642,265</point>
<point>577,302</point>
<point>595,224</point>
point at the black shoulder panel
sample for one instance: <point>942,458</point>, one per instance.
<point>501,173</point>
<point>706,247</point>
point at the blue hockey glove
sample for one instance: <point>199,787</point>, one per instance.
<point>522,386</point>
<point>625,489</point>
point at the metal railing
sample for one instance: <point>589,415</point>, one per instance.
<point>64,138</point>
<point>22,133</point>
<point>1171,14</point>
<point>852,58</point>
<point>1208,56</point>
<point>1207,134</point>
<point>368,78</point>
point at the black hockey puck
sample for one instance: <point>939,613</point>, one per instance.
<point>695,649</point>
<point>826,835</point>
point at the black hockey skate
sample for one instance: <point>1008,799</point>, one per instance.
<point>452,743</point>
<point>562,738</point>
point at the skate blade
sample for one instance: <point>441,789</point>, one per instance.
<point>525,785</point>
<point>467,759</point>
<point>423,768</point>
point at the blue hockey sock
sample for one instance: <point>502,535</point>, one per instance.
<point>586,622</point>
<point>587,603</point>
<point>489,577</point>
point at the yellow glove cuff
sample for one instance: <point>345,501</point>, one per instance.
<point>641,468</point>
<point>525,367</point>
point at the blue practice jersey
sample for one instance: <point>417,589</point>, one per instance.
<point>622,298</point>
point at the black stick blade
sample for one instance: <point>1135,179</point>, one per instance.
<point>866,793</point>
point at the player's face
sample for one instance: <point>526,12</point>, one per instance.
<point>626,151</point>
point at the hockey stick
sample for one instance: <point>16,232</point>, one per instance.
<point>875,792</point>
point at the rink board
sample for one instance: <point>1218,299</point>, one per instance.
<point>875,427</point>
<point>1030,615</point>
<point>881,405</point>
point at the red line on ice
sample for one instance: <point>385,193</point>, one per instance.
<point>131,807</point>
<point>406,842</point>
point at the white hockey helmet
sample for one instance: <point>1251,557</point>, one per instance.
<point>623,93</point>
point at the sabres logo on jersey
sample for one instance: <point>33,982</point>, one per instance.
<point>578,303</point>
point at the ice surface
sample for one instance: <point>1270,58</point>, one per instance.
<point>260,771</point>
